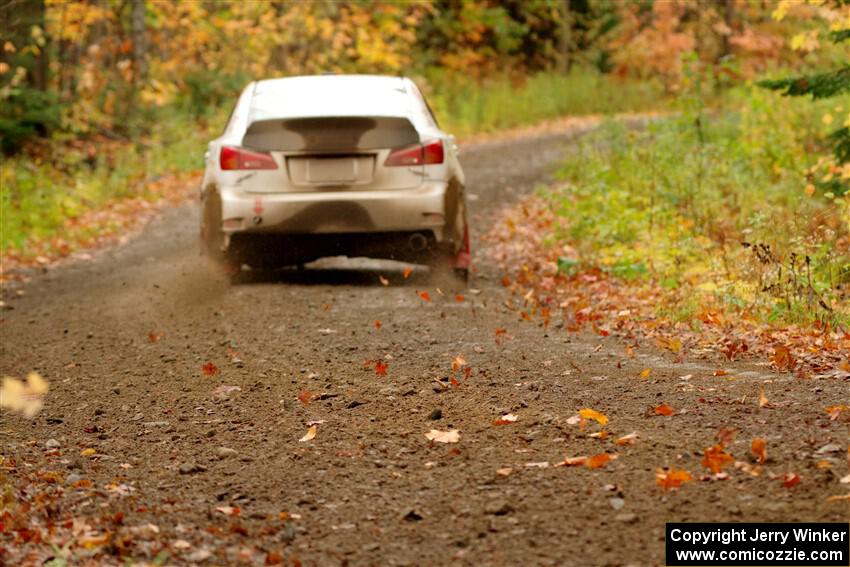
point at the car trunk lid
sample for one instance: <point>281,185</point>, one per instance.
<point>331,154</point>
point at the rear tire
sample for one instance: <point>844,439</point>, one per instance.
<point>212,237</point>
<point>211,234</point>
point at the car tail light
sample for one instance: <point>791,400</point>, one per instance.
<point>421,154</point>
<point>433,152</point>
<point>236,158</point>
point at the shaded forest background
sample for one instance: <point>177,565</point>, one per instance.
<point>114,68</point>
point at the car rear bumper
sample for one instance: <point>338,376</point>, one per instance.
<point>336,212</point>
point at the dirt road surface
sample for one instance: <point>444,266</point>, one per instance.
<point>157,459</point>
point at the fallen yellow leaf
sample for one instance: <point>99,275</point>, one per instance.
<point>311,434</point>
<point>588,413</point>
<point>26,397</point>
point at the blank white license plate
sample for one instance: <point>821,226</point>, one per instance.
<point>331,170</point>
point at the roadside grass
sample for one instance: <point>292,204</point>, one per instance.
<point>467,107</point>
<point>719,210</point>
<point>48,192</point>
<point>49,195</point>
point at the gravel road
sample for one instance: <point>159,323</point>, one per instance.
<point>370,489</point>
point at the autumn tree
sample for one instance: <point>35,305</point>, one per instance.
<point>28,106</point>
<point>822,85</point>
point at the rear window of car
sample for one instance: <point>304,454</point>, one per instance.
<point>329,96</point>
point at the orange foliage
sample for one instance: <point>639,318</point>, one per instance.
<point>672,479</point>
<point>715,458</point>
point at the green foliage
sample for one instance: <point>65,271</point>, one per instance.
<point>820,86</point>
<point>40,194</point>
<point>209,90</point>
<point>25,114</point>
<point>715,207</point>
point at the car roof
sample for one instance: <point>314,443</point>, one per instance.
<point>330,95</point>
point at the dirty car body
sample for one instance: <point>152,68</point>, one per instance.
<point>333,165</point>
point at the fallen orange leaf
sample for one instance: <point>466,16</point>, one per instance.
<point>725,436</point>
<point>763,401</point>
<point>759,449</point>
<point>715,458</point>
<point>790,480</point>
<point>627,439</point>
<point>458,363</point>
<point>209,369</point>
<point>672,479</point>
<point>720,372</point>
<point>153,337</point>
<point>506,419</point>
<point>598,461</point>
<point>783,359</point>
<point>425,296</point>
<point>664,409</point>
<point>646,372</point>
<point>459,298</point>
<point>835,411</point>
<point>406,273</point>
<point>305,397</point>
<point>377,324</point>
<point>381,367</point>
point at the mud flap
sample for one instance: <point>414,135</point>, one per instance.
<point>463,258</point>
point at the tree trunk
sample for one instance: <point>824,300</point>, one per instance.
<point>566,40</point>
<point>728,18</point>
<point>140,63</point>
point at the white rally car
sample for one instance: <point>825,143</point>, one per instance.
<point>331,165</point>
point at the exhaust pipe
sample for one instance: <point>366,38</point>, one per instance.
<point>417,242</point>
